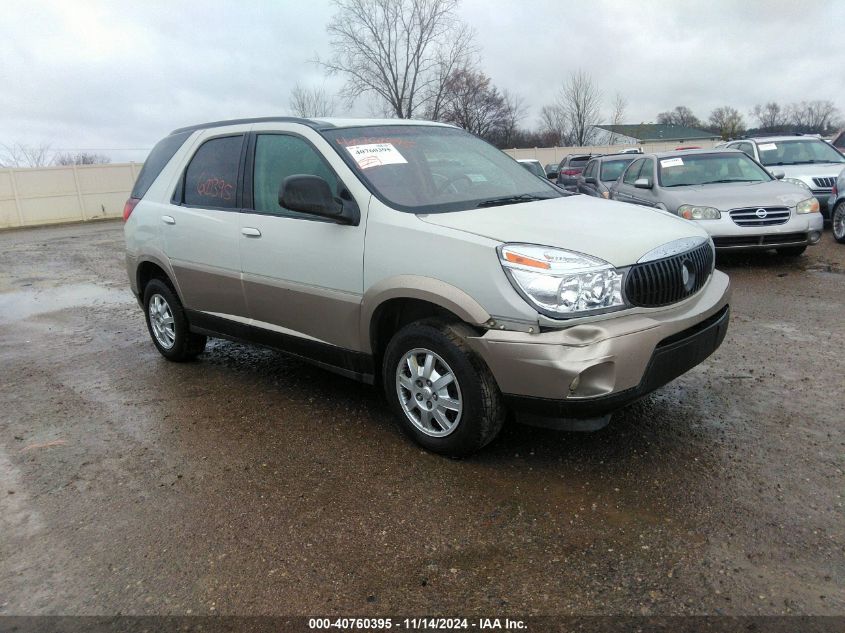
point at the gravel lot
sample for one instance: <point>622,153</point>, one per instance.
<point>250,483</point>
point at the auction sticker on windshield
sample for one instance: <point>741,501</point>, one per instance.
<point>375,155</point>
<point>672,162</point>
<point>767,147</point>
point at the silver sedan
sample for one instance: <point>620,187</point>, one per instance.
<point>730,195</point>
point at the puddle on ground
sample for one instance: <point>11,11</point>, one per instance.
<point>22,304</point>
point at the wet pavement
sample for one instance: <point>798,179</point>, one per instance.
<point>251,483</point>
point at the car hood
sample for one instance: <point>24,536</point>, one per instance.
<point>735,195</point>
<point>807,172</point>
<point>616,232</point>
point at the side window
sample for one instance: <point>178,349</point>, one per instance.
<point>746,147</point>
<point>278,156</point>
<point>633,172</point>
<point>647,170</point>
<point>211,179</point>
<point>590,171</point>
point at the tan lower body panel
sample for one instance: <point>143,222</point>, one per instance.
<point>326,315</point>
<point>210,289</point>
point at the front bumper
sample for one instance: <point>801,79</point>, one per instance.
<point>796,231</point>
<point>615,361</point>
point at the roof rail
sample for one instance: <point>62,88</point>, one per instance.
<point>267,119</point>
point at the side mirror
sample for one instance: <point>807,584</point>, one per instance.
<point>778,174</point>
<point>591,180</point>
<point>643,183</point>
<point>312,194</point>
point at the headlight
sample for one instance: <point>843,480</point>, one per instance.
<point>795,181</point>
<point>692,212</point>
<point>562,284</point>
<point>810,205</point>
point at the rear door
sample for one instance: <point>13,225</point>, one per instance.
<point>302,274</point>
<point>201,227</point>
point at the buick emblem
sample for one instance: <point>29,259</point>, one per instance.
<point>687,275</point>
<point>761,213</point>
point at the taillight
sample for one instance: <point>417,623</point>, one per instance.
<point>571,172</point>
<point>129,207</point>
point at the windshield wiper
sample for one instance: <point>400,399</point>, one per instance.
<point>716,182</point>
<point>523,197</point>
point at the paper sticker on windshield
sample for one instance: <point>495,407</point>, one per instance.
<point>672,162</point>
<point>477,177</point>
<point>375,155</point>
<point>767,147</point>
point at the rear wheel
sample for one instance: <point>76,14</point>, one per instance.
<point>792,251</point>
<point>443,396</point>
<point>838,222</point>
<point>168,324</point>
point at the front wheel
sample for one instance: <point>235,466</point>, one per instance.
<point>168,324</point>
<point>443,396</point>
<point>838,222</point>
<point>792,251</point>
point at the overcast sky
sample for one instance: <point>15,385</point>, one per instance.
<point>115,76</point>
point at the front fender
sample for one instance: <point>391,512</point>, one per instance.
<point>428,289</point>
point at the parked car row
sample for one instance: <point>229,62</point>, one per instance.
<point>754,193</point>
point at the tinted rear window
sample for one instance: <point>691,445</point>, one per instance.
<point>211,179</point>
<point>158,158</point>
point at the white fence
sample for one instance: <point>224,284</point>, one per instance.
<point>50,195</point>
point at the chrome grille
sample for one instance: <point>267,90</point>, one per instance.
<point>663,282</point>
<point>760,216</point>
<point>824,183</point>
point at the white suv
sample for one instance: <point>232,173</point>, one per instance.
<point>417,256</point>
<point>805,161</point>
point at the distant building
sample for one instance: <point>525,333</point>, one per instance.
<point>650,133</point>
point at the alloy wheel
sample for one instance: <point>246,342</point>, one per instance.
<point>429,392</point>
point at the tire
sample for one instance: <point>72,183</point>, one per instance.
<point>792,251</point>
<point>475,411</point>
<point>837,222</point>
<point>168,325</point>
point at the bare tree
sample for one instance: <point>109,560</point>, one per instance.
<point>580,101</point>
<point>80,158</point>
<point>553,124</point>
<point>20,155</point>
<point>681,115</point>
<point>813,116</point>
<point>458,53</point>
<point>310,102</point>
<point>770,116</point>
<point>472,102</point>
<point>620,103</point>
<point>514,112</point>
<point>727,121</point>
<point>395,49</point>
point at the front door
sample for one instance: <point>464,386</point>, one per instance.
<point>302,274</point>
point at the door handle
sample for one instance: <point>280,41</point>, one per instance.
<point>250,232</point>
<point>168,219</point>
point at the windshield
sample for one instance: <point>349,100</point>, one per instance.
<point>612,169</point>
<point>798,152</point>
<point>534,168</point>
<point>706,169</point>
<point>432,169</point>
